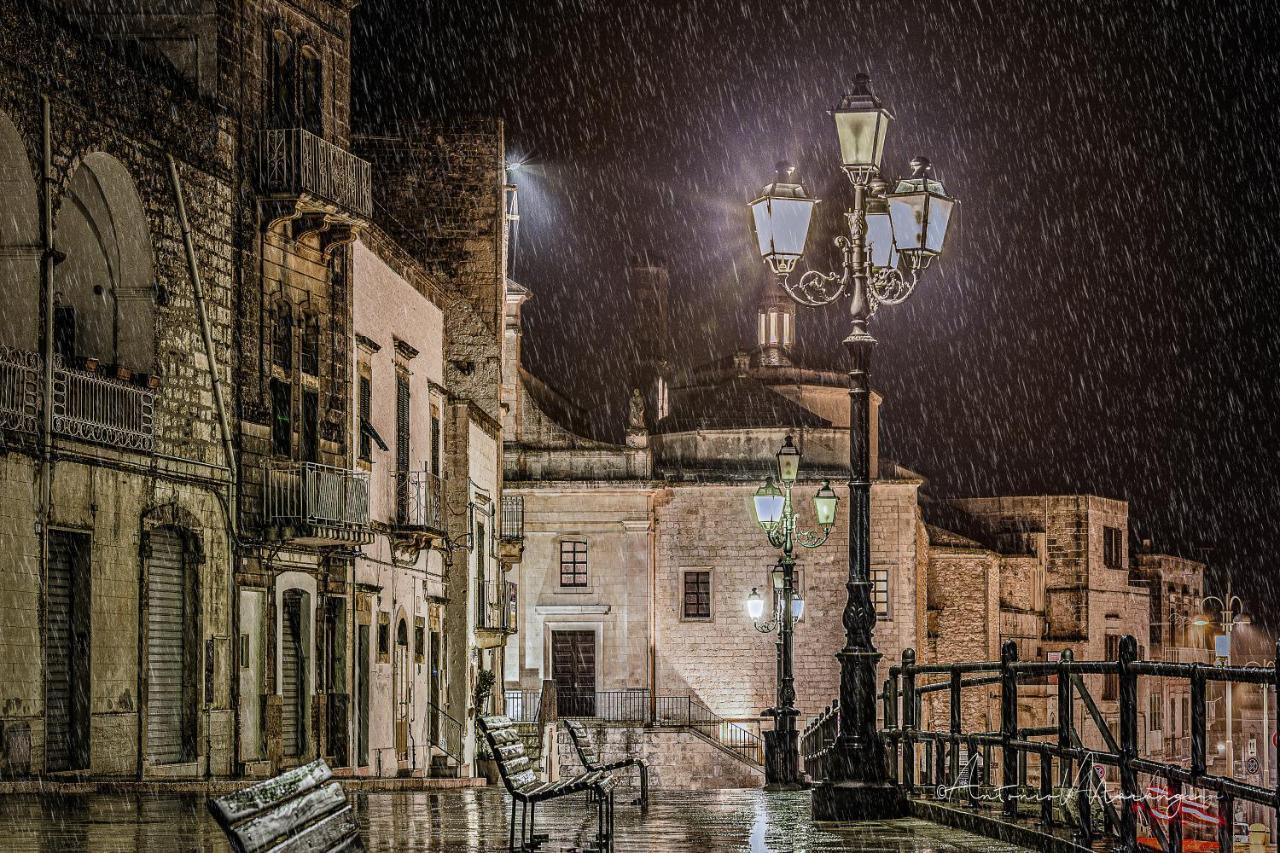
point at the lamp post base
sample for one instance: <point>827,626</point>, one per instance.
<point>848,801</point>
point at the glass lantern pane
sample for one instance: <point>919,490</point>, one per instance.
<point>880,240</point>
<point>790,221</point>
<point>825,509</point>
<point>907,213</point>
<point>861,136</point>
<point>769,508</point>
<point>764,233</point>
<point>939,217</point>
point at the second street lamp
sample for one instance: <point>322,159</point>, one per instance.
<point>776,515</point>
<point>892,237</point>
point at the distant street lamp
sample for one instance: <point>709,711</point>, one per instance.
<point>893,236</point>
<point>776,514</point>
<point>1231,613</point>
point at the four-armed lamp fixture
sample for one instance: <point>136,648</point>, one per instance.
<point>776,514</point>
<point>890,237</point>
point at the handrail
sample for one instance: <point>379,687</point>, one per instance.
<point>449,732</point>
<point>903,732</point>
<point>706,722</point>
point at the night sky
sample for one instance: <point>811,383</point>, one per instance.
<point>1102,321</point>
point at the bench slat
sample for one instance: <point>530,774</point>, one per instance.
<point>336,832</point>
<point>290,817</point>
<point>244,803</point>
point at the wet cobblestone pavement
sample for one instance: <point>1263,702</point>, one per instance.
<point>475,819</point>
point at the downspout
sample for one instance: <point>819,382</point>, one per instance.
<point>48,259</point>
<point>653,608</point>
<point>228,450</point>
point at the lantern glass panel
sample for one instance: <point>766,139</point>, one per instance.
<point>782,225</point>
<point>797,607</point>
<point>880,239</point>
<point>861,134</point>
<point>769,502</point>
<point>824,506</point>
<point>755,605</point>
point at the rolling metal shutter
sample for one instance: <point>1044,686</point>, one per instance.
<point>291,687</point>
<point>166,620</point>
<point>58,656</point>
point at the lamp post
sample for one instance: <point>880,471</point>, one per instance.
<point>892,237</point>
<point>776,514</point>
<point>1231,613</point>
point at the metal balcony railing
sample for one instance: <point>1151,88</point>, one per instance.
<point>103,410</point>
<point>513,517</point>
<point>419,500</point>
<point>19,389</point>
<point>318,495</point>
<point>509,619</point>
<point>522,705</point>
<point>293,161</point>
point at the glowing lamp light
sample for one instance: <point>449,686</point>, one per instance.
<point>755,604</point>
<point>920,211</point>
<point>788,461</point>
<point>861,124</point>
<point>781,215</point>
<point>824,505</point>
<point>880,244</point>
<point>769,502</point>
<point>797,606</point>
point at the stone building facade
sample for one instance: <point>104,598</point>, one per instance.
<point>281,581</point>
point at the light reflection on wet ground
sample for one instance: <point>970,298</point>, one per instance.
<point>475,819</point>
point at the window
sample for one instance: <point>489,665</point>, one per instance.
<point>435,440</point>
<point>1155,715</point>
<point>573,564</point>
<point>310,426</point>
<point>384,637</point>
<point>311,346</point>
<point>1113,547</point>
<point>366,413</point>
<point>697,595</point>
<point>282,338</point>
<point>312,92</point>
<point>281,417</point>
<point>482,580</point>
<point>402,421</point>
<point>419,639</point>
<point>282,72</point>
<point>1111,681</point>
<point>880,593</point>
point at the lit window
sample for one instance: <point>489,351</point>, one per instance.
<point>573,564</point>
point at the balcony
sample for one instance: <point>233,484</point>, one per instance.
<point>311,504</point>
<point>88,404</point>
<point>509,611</point>
<point>308,175</point>
<point>419,504</point>
<point>512,530</point>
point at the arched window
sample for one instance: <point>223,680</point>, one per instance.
<point>19,243</point>
<point>282,337</point>
<point>312,86</point>
<point>105,293</point>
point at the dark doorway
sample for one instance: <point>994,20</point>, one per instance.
<point>293,672</point>
<point>433,720</point>
<point>362,694</point>
<point>573,666</point>
<point>67,652</point>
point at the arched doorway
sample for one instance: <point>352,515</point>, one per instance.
<point>173,648</point>
<point>294,666</point>
<point>19,243</point>
<point>403,675</point>
<point>105,293</point>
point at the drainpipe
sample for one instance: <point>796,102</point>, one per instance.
<point>228,448</point>
<point>653,607</point>
<point>48,260</point>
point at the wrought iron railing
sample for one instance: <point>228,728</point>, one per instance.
<point>448,733</point>
<point>522,705</point>
<point>513,517</point>
<point>19,389</point>
<point>314,494</point>
<point>1065,764</point>
<point>419,500</point>
<point>103,410</point>
<point>484,614</point>
<point>620,706</point>
<point>509,610</point>
<point>690,712</point>
<point>293,161</point>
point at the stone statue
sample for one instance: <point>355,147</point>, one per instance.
<point>635,421</point>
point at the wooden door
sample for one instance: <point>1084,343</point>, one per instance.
<point>573,666</point>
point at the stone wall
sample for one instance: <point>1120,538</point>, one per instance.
<point>678,759</point>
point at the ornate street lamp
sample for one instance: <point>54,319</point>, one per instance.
<point>776,514</point>
<point>1231,610</point>
<point>892,237</point>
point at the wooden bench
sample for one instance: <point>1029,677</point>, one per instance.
<point>302,809</point>
<point>525,788</point>
<point>590,758</point>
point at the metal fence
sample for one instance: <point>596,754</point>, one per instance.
<point>689,711</point>
<point>19,389</point>
<point>294,161</point>
<point>513,517</point>
<point>419,500</point>
<point>522,705</point>
<point>103,410</point>
<point>1167,799</point>
<point>310,493</point>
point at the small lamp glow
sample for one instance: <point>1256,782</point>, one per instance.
<point>755,604</point>
<point>781,215</point>
<point>797,606</point>
<point>769,502</point>
<point>788,461</point>
<point>921,211</point>
<point>824,505</point>
<point>861,124</point>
